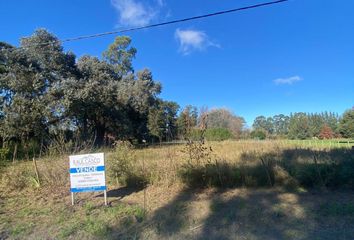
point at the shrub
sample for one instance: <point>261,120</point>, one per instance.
<point>218,134</point>
<point>194,134</point>
<point>122,168</point>
<point>258,134</point>
<point>326,132</point>
<point>4,155</point>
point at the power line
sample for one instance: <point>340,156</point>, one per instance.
<point>160,24</point>
<point>172,22</point>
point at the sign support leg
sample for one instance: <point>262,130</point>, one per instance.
<point>72,199</point>
<point>105,197</point>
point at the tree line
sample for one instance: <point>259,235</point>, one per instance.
<point>325,125</point>
<point>49,97</point>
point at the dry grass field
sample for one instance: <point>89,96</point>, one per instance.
<point>217,190</point>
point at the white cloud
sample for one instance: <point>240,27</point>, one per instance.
<point>190,40</point>
<point>160,2</point>
<point>135,13</point>
<point>289,80</point>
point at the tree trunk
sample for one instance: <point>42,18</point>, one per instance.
<point>41,147</point>
<point>85,129</point>
<point>100,132</point>
<point>15,153</point>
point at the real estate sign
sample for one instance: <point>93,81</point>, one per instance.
<point>87,173</point>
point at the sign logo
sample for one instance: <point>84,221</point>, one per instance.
<point>86,161</point>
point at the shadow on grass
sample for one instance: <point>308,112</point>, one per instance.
<point>134,183</point>
<point>122,192</point>
<point>245,216</point>
<point>289,168</point>
<point>273,214</point>
<point>172,218</point>
<point>266,213</point>
<point>258,214</point>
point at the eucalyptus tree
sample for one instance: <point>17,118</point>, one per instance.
<point>264,124</point>
<point>260,122</point>
<point>120,54</point>
<point>281,124</point>
<point>162,120</point>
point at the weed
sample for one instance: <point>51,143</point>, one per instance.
<point>21,229</point>
<point>122,167</point>
<point>140,214</point>
<point>96,227</point>
<point>68,230</point>
<point>88,207</point>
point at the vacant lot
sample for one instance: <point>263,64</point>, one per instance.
<point>226,190</point>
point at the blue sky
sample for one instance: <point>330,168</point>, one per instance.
<point>295,56</point>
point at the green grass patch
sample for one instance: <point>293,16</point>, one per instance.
<point>96,227</point>
<point>125,210</point>
<point>21,229</point>
<point>88,208</point>
<point>69,229</point>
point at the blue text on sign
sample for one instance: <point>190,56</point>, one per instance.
<point>87,169</point>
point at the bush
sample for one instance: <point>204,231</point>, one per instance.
<point>333,168</point>
<point>217,174</point>
<point>121,166</point>
<point>4,156</point>
<point>218,134</point>
<point>25,150</point>
<point>258,134</point>
<point>195,134</point>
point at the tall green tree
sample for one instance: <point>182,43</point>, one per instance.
<point>162,120</point>
<point>120,55</point>
<point>281,124</point>
<point>29,85</point>
<point>346,125</point>
<point>299,127</point>
<point>332,120</point>
<point>264,124</point>
<point>316,123</point>
<point>107,98</point>
<point>260,122</point>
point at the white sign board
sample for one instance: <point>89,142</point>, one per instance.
<point>87,173</point>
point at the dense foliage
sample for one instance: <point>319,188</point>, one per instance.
<point>301,125</point>
<point>46,91</point>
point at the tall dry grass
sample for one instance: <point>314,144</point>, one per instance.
<point>229,164</point>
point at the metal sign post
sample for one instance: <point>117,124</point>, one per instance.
<point>72,199</point>
<point>105,197</point>
<point>87,174</point>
